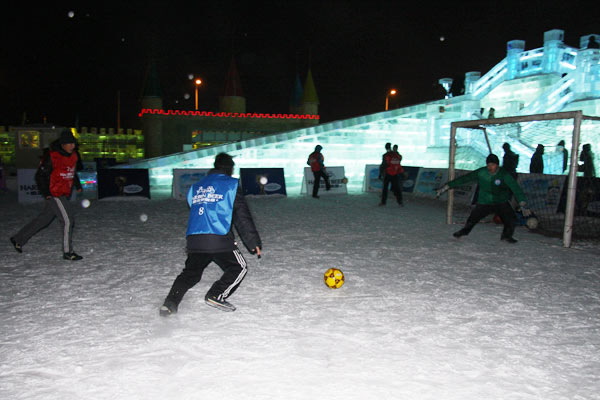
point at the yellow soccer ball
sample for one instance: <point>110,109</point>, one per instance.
<point>334,278</point>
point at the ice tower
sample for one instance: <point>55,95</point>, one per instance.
<point>555,77</point>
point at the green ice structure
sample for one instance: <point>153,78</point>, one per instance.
<point>553,78</point>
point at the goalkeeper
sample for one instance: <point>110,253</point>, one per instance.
<point>496,186</point>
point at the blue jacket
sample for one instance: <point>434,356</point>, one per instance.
<point>216,205</point>
<point>211,205</point>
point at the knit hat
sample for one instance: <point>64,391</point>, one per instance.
<point>66,137</point>
<point>223,160</point>
<point>492,158</point>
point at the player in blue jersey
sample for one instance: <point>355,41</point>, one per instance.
<point>216,205</point>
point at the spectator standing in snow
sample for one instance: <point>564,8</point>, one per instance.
<point>565,154</point>
<point>496,186</point>
<point>587,161</point>
<point>537,160</point>
<point>216,205</point>
<point>393,172</point>
<point>510,161</point>
<point>317,166</point>
<point>382,166</point>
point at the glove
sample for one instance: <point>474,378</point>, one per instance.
<point>441,191</point>
<point>524,210</point>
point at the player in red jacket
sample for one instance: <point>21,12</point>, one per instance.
<point>55,178</point>
<point>393,174</point>
<point>317,166</point>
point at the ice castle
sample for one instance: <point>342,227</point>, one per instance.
<point>555,77</point>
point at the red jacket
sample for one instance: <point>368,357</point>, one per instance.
<point>392,161</point>
<point>56,173</point>
<point>63,172</point>
<point>316,160</point>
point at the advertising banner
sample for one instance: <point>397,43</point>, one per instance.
<point>262,181</point>
<point>430,179</point>
<point>374,184</point>
<point>28,190</point>
<point>463,194</point>
<point>543,191</point>
<point>184,178</point>
<point>336,178</point>
<point>123,183</point>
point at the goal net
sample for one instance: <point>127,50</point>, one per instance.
<point>555,168</point>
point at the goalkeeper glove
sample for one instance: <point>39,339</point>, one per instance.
<point>442,190</point>
<point>524,210</point>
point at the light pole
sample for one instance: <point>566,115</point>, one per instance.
<point>392,92</point>
<point>198,82</point>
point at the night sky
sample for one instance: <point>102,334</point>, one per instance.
<point>69,69</point>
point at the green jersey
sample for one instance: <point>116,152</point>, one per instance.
<point>493,189</point>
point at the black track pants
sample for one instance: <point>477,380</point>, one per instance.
<point>234,269</point>
<point>504,210</point>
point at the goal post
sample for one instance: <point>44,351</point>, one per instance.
<point>556,200</point>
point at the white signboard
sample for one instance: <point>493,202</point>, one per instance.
<point>464,193</point>
<point>372,181</point>
<point>28,190</point>
<point>543,191</point>
<point>183,179</point>
<point>430,179</point>
<point>337,178</point>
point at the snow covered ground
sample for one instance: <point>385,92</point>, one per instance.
<point>421,315</point>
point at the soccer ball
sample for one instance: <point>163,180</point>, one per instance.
<point>532,223</point>
<point>334,278</point>
<point>497,219</point>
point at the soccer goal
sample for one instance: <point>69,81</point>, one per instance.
<point>564,195</point>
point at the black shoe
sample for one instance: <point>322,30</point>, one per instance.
<point>169,307</point>
<point>17,246</point>
<point>382,204</point>
<point>72,256</point>
<point>509,239</point>
<point>460,233</point>
<point>315,196</point>
<point>221,304</point>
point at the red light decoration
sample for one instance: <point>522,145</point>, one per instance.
<point>224,114</point>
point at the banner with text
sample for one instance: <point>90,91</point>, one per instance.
<point>337,178</point>
<point>184,178</point>
<point>262,181</point>
<point>121,182</point>
<point>374,184</point>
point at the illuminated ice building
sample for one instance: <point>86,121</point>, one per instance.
<point>555,77</point>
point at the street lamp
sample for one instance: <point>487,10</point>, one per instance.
<point>392,92</point>
<point>198,82</point>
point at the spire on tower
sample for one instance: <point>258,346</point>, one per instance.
<point>152,85</point>
<point>233,86</point>
<point>310,92</point>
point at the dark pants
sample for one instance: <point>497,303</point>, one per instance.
<point>54,207</point>
<point>504,210</point>
<point>234,269</point>
<point>396,188</point>
<point>318,175</point>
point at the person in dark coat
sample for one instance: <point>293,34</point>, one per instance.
<point>510,161</point>
<point>382,166</point>
<point>317,166</point>
<point>537,160</point>
<point>216,205</point>
<point>587,161</point>
<point>55,178</point>
<point>393,174</point>
<point>565,154</point>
